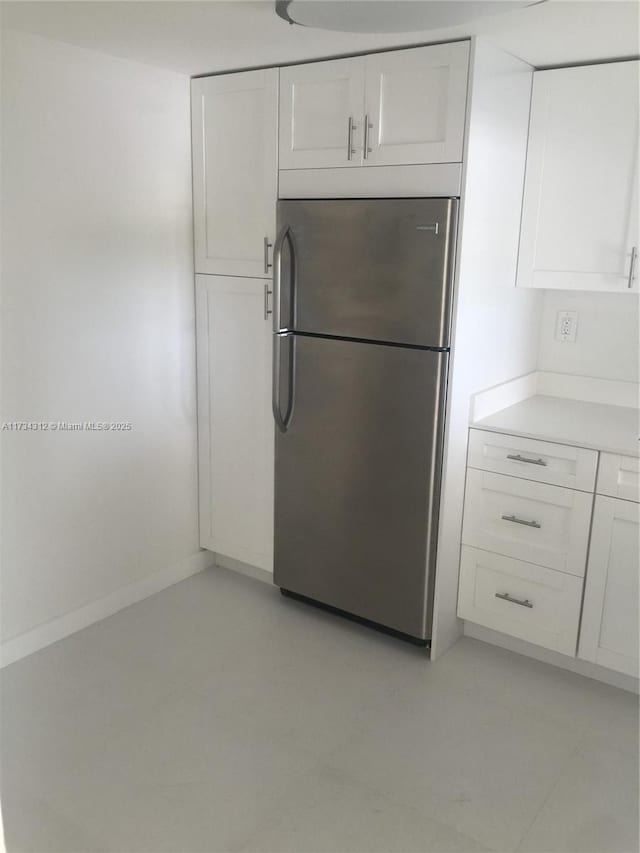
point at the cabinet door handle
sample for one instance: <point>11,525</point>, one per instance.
<point>266,246</point>
<point>523,602</point>
<point>267,293</point>
<point>515,520</point>
<point>517,458</point>
<point>632,266</point>
<point>350,128</point>
<point>367,128</point>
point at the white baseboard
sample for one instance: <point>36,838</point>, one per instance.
<point>580,667</point>
<point>57,629</point>
<point>244,568</point>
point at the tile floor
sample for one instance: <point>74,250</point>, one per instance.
<point>219,716</point>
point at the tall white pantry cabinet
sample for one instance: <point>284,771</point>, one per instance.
<point>235,177</point>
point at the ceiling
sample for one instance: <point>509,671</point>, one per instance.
<point>216,35</point>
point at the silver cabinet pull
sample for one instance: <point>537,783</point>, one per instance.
<point>506,597</point>
<point>517,458</point>
<point>267,293</point>
<point>515,520</point>
<point>632,266</point>
<point>367,128</point>
<point>350,149</point>
<point>266,246</point>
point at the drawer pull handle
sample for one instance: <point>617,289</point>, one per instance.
<point>515,520</point>
<point>517,458</point>
<point>506,597</point>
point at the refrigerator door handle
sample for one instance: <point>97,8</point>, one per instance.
<point>282,422</point>
<point>285,234</point>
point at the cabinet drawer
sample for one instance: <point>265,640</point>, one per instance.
<point>619,477</point>
<point>529,521</point>
<point>520,599</point>
<point>557,464</point>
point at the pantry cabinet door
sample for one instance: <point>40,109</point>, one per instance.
<point>609,632</point>
<point>416,105</point>
<point>579,225</point>
<point>321,106</point>
<point>235,171</point>
<point>235,426</point>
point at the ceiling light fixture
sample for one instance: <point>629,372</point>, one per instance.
<point>391,16</point>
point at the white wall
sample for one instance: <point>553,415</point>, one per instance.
<point>496,324</point>
<point>97,325</point>
<point>607,343</point>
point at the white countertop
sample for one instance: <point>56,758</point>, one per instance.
<point>594,425</point>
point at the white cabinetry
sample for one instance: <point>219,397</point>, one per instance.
<point>415,105</point>
<point>609,633</point>
<point>557,464</point>
<point>235,171</point>
<point>521,599</point>
<point>524,538</point>
<point>619,476</point>
<point>235,426</point>
<point>321,114</point>
<point>523,565</point>
<point>579,225</point>
<point>385,109</point>
<point>542,524</point>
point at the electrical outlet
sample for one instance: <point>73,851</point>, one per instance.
<point>566,326</point>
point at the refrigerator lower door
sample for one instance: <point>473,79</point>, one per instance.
<point>357,478</point>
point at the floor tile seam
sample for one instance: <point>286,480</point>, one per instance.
<point>399,802</point>
<point>552,789</point>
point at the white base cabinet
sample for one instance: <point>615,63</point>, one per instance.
<point>609,632</point>
<point>235,425</point>
<point>524,569</point>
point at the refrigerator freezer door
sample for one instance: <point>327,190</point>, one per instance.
<point>373,269</point>
<point>357,480</point>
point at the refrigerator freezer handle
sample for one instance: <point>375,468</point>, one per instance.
<point>282,422</point>
<point>277,276</point>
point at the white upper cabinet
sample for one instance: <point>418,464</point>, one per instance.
<point>609,632</point>
<point>235,425</point>
<point>385,109</point>
<point>321,108</point>
<point>235,172</point>
<point>579,219</point>
<point>415,104</point>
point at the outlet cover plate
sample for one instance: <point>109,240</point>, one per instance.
<point>566,326</point>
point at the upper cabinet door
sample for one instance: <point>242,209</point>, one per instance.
<point>321,107</point>
<point>235,172</point>
<point>416,104</point>
<point>579,218</point>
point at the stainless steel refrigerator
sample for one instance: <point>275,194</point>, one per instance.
<point>362,309</point>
